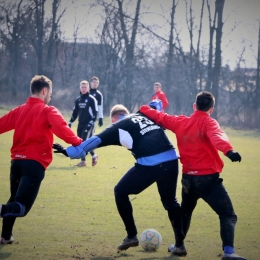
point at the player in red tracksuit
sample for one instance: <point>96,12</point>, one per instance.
<point>199,138</point>
<point>159,94</point>
<point>34,124</point>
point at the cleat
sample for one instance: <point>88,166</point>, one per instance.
<point>5,242</point>
<point>232,257</point>
<point>81,164</point>
<point>179,251</point>
<point>128,243</point>
<point>94,159</point>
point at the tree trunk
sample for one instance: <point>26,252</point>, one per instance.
<point>219,6</point>
<point>129,47</point>
<point>257,98</point>
<point>169,66</point>
<point>210,58</point>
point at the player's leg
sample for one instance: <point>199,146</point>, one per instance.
<point>218,199</point>
<point>92,152</point>
<point>82,134</point>
<point>167,177</point>
<point>134,181</point>
<point>8,223</point>
<point>189,200</point>
<point>25,177</point>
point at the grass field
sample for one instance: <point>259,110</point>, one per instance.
<point>75,216</point>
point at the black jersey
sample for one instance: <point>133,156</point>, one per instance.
<point>137,133</point>
<point>85,109</point>
<point>99,97</point>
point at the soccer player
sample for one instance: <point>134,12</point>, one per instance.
<point>199,137</point>
<point>34,124</point>
<point>85,109</point>
<point>159,94</point>
<point>99,97</point>
<point>155,162</point>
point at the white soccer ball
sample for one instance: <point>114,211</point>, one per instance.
<point>150,240</point>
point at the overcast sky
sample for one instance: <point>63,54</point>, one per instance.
<point>241,24</point>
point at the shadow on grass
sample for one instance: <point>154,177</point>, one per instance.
<point>64,168</point>
<point>4,255</point>
<point>122,255</point>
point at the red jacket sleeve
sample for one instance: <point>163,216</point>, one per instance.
<point>60,128</point>
<point>164,100</point>
<point>163,119</point>
<point>7,122</point>
<point>218,137</point>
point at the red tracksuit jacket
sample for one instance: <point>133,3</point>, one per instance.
<point>34,124</point>
<point>199,138</point>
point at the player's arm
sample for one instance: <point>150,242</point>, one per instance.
<point>75,113</point>
<point>160,118</point>
<point>220,140</point>
<point>217,136</point>
<point>93,112</point>
<point>93,107</point>
<point>60,128</point>
<point>164,101</point>
<point>7,122</point>
<point>100,110</point>
<point>76,152</point>
<point>107,137</point>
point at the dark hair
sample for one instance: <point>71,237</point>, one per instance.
<point>204,101</point>
<point>39,82</point>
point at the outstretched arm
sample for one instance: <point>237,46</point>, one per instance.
<point>76,152</point>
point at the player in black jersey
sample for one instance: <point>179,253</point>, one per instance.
<point>99,97</point>
<point>156,161</point>
<point>85,110</point>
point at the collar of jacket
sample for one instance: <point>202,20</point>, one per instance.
<point>84,95</point>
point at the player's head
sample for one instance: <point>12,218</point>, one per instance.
<point>84,87</point>
<point>94,82</point>
<point>41,86</point>
<point>117,112</point>
<point>157,86</point>
<point>205,101</point>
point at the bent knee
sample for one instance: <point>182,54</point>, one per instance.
<point>231,217</point>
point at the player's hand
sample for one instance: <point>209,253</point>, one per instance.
<point>234,156</point>
<point>69,124</point>
<point>100,121</point>
<point>59,149</point>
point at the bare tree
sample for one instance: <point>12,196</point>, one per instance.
<point>210,55</point>
<point>130,42</point>
<point>219,6</point>
<point>45,35</point>
<point>257,98</point>
<point>15,17</point>
<point>170,59</point>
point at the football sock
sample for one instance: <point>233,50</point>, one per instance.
<point>229,250</point>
